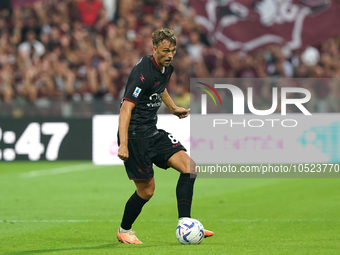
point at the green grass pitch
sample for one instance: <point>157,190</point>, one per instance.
<point>76,208</point>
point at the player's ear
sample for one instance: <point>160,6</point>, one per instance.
<point>154,48</point>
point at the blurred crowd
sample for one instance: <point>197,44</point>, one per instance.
<point>325,95</point>
<point>73,57</point>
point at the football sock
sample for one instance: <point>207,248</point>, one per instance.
<point>183,218</point>
<point>133,208</point>
<point>184,192</point>
<point>122,230</point>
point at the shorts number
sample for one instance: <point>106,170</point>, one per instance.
<point>173,139</point>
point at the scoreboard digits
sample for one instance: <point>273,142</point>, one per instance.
<point>29,142</point>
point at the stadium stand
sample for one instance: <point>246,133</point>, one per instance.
<point>58,59</point>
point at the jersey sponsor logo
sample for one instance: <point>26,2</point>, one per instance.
<point>136,92</point>
<point>142,77</point>
<point>156,100</point>
<point>156,97</point>
<point>157,104</point>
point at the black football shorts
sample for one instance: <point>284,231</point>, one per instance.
<point>144,152</point>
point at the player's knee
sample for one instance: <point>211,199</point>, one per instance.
<point>193,169</point>
<point>148,193</point>
<point>188,167</point>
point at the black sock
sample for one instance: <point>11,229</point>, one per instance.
<point>184,192</point>
<point>133,208</point>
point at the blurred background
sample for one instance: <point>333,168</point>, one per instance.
<point>63,68</point>
<point>71,58</point>
<point>64,62</point>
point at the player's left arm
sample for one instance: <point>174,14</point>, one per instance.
<point>174,109</point>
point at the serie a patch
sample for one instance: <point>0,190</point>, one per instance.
<point>136,92</point>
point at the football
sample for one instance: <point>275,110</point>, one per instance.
<point>190,231</point>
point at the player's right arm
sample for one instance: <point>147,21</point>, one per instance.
<point>135,88</point>
<point>123,126</point>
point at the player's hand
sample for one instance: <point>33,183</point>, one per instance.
<point>123,153</point>
<point>181,112</point>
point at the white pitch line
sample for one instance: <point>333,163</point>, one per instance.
<point>60,170</point>
<point>170,220</point>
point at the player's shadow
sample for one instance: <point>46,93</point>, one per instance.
<point>86,249</point>
<point>105,246</point>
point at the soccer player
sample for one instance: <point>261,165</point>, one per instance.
<point>141,144</point>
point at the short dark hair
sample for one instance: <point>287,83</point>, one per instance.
<point>163,34</point>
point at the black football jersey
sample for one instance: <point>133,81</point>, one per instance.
<point>144,88</point>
